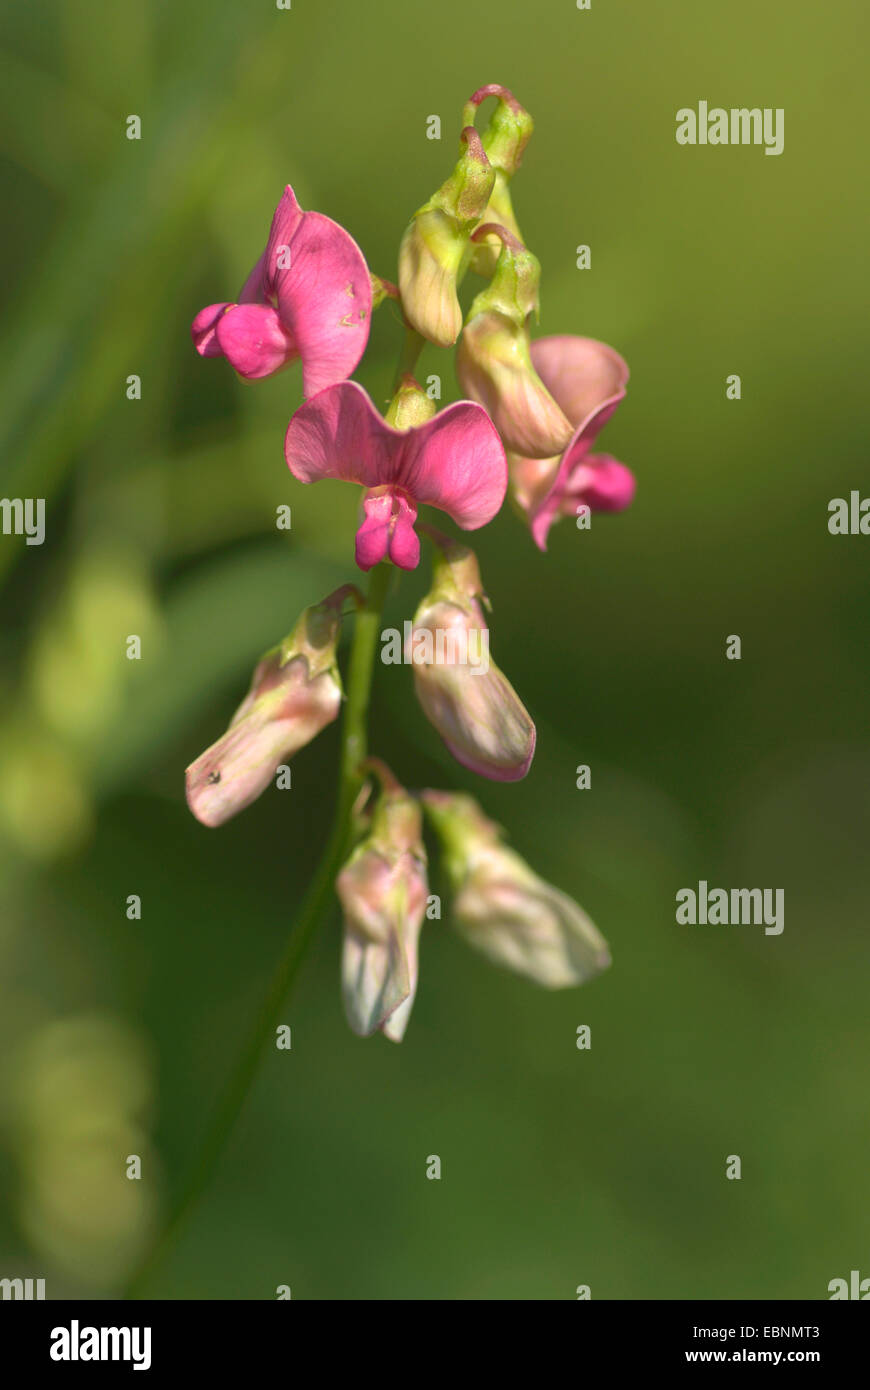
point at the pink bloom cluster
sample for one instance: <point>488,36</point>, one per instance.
<point>532,412</point>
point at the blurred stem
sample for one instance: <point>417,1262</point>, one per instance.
<point>412,346</point>
<point>315,905</point>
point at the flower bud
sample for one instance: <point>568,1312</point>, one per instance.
<point>437,241</point>
<point>469,700</point>
<point>295,692</point>
<point>504,909</point>
<point>509,130</point>
<point>382,889</point>
<point>494,362</point>
<point>504,141</point>
<point>411,406</point>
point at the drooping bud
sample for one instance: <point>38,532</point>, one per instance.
<point>509,130</point>
<point>382,889</point>
<point>504,141</point>
<point>463,693</point>
<point>504,909</point>
<point>494,363</point>
<point>295,692</point>
<point>437,241</point>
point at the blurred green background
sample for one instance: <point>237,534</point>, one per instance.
<point>560,1167</point>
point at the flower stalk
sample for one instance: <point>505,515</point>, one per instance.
<point>316,904</point>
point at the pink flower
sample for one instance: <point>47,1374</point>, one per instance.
<point>309,296</point>
<point>587,379</point>
<point>453,460</point>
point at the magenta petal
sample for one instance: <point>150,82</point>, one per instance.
<point>324,293</point>
<point>278,254</point>
<point>373,537</point>
<point>339,434</point>
<point>203,330</point>
<point>404,541</point>
<point>456,461</point>
<point>581,374</point>
<point>602,482</point>
<point>254,340</point>
<point>388,529</point>
<point>599,481</point>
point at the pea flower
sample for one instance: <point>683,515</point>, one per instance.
<point>588,380</point>
<point>493,361</point>
<point>453,460</point>
<point>463,693</point>
<point>437,241</point>
<point>503,908</point>
<point>382,889</point>
<point>295,692</point>
<point>309,296</point>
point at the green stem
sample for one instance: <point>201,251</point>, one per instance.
<point>314,906</point>
<point>412,346</point>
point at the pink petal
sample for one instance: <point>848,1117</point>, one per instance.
<point>388,529</point>
<point>339,434</point>
<point>373,537</point>
<point>456,461</point>
<point>404,541</point>
<point>254,340</point>
<point>602,482</point>
<point>581,374</point>
<point>279,248</point>
<point>324,292</point>
<point>203,330</point>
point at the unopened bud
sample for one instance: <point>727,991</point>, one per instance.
<point>509,130</point>
<point>410,406</point>
<point>463,693</point>
<point>295,692</point>
<point>437,241</point>
<point>382,889</point>
<point>504,141</point>
<point>504,909</point>
<point>494,363</point>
